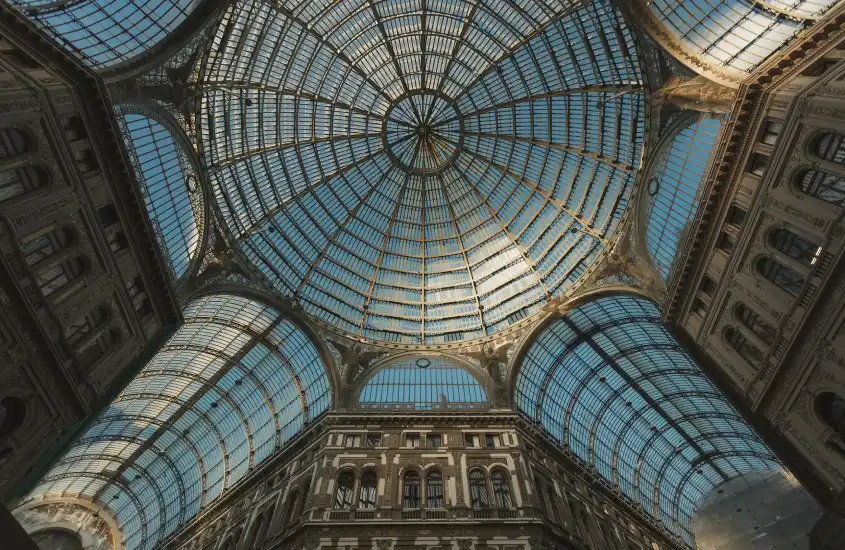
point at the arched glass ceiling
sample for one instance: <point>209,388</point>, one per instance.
<point>231,386</point>
<point>169,187</point>
<point>611,384</point>
<point>106,32</point>
<point>680,172</point>
<point>411,170</point>
<point>739,34</point>
<point>423,383</point>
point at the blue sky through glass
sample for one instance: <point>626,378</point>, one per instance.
<point>228,389</point>
<point>106,32</point>
<point>664,454</point>
<point>423,383</point>
<point>680,172</point>
<point>163,178</point>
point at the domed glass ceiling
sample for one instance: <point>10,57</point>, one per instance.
<point>422,171</point>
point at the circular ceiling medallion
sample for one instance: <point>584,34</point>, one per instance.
<point>423,132</point>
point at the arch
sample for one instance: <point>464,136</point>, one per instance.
<point>434,496</point>
<point>411,491</point>
<point>755,323</point>
<point>794,246</point>
<point>12,414</point>
<point>746,349</point>
<point>14,142</point>
<point>235,382</point>
<point>823,186</point>
<point>367,492</point>
<point>501,488</point>
<point>96,318</point>
<point>22,180</point>
<point>56,539</point>
<point>164,167</point>
<point>830,409</point>
<point>422,382</point>
<point>97,30</point>
<point>829,146</point>
<point>478,494</point>
<point>345,490</point>
<point>614,389</point>
<point>784,277</point>
<point>678,172</point>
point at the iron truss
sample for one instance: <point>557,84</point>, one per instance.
<point>609,383</point>
<point>234,383</point>
<point>423,172</point>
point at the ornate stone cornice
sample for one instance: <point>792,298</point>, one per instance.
<point>729,158</point>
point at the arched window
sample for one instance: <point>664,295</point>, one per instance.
<point>13,142</point>
<point>824,186</point>
<point>56,539</point>
<point>92,351</point>
<point>53,277</point>
<point>15,182</point>
<point>831,147</point>
<point>292,503</point>
<point>501,489</point>
<point>831,409</point>
<point>12,411</point>
<point>345,490</point>
<point>797,248</point>
<point>756,324</point>
<point>306,491</point>
<point>258,532</point>
<point>86,324</point>
<point>478,489</point>
<point>434,489</point>
<point>784,277</point>
<point>411,490</point>
<point>746,349</point>
<point>46,242</point>
<point>367,493</point>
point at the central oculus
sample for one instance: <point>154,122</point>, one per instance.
<point>423,132</point>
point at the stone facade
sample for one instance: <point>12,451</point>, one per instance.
<point>293,502</point>
<point>80,293</point>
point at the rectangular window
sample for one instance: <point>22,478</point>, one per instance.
<point>108,215</point>
<point>135,288</point>
<point>433,440</point>
<point>471,440</point>
<point>73,127</point>
<point>412,440</point>
<point>771,131</point>
<point>353,440</point>
<point>708,286</point>
<point>757,165</point>
<point>699,307</point>
<point>373,440</point>
<point>488,441</point>
<point>86,160</point>
<point>736,215</point>
<point>726,242</point>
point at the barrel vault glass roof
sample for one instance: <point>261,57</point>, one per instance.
<point>423,383</point>
<point>169,187</point>
<point>677,177</point>
<point>422,171</point>
<point>104,33</point>
<point>611,385</point>
<point>739,34</point>
<point>233,384</point>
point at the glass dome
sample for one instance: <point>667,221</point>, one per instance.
<point>422,172</point>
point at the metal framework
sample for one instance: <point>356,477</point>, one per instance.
<point>104,33</point>
<point>423,383</point>
<point>411,171</point>
<point>234,383</point>
<point>169,185</point>
<point>610,384</point>
<point>736,34</point>
<point>673,195</point>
